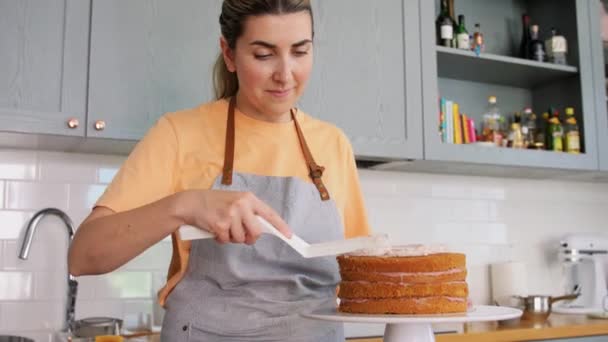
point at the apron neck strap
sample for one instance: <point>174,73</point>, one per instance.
<point>315,170</point>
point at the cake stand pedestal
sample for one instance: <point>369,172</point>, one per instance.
<point>417,328</point>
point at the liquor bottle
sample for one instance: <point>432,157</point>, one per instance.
<point>537,48</point>
<point>529,128</point>
<point>557,48</point>
<point>491,128</point>
<point>445,26</point>
<point>524,47</point>
<point>556,133</point>
<point>478,41</point>
<point>462,35</point>
<point>572,133</point>
<point>543,133</point>
<point>451,11</point>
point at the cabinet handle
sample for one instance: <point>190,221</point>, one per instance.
<point>100,125</point>
<point>73,123</point>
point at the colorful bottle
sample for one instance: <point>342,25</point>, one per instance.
<point>491,131</point>
<point>572,133</point>
<point>556,133</point>
<point>478,45</point>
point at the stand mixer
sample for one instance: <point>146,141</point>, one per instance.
<point>585,258</point>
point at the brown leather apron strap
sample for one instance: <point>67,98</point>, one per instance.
<point>229,145</point>
<point>315,170</point>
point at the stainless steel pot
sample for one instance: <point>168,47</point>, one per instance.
<point>537,308</point>
<point>97,326</point>
<point>7,338</point>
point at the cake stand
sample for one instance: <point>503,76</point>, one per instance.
<point>417,328</point>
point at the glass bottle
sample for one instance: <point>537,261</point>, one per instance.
<point>557,48</point>
<point>529,128</point>
<point>556,133</point>
<point>491,130</point>
<point>572,133</point>
<point>537,48</point>
<point>524,47</point>
<point>445,26</point>
<point>462,35</point>
<point>478,45</point>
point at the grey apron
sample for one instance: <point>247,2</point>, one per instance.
<point>237,292</point>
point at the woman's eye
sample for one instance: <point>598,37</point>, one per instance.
<point>262,57</point>
<point>301,53</point>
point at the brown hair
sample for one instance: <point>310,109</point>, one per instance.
<point>234,13</point>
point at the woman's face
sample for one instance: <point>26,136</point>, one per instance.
<point>273,59</point>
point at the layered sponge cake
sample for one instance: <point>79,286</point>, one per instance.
<point>403,280</point>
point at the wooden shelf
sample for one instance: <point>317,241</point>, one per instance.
<point>495,69</point>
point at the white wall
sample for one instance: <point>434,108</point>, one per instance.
<point>490,219</point>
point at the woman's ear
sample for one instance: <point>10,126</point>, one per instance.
<point>228,55</point>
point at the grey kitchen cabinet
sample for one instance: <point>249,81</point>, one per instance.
<point>43,63</point>
<point>468,79</point>
<point>148,58</point>
<point>366,76</point>
<point>600,58</point>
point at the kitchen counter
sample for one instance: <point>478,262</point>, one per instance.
<point>558,326</point>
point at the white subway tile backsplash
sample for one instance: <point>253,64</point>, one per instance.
<point>56,167</point>
<point>96,308</point>
<point>106,174</point>
<point>156,257</point>
<point>16,286</point>
<point>50,286</point>
<point>123,285</point>
<point>84,196</point>
<point>47,253</point>
<point>2,192</point>
<point>32,316</point>
<point>19,165</point>
<point>35,196</point>
<point>489,219</point>
<point>12,224</point>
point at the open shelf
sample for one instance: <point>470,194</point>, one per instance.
<point>495,69</point>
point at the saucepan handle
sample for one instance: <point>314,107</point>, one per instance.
<point>566,297</point>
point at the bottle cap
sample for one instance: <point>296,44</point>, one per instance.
<point>569,111</point>
<point>492,99</point>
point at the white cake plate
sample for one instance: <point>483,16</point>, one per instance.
<point>417,328</point>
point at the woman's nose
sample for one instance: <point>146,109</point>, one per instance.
<point>282,72</point>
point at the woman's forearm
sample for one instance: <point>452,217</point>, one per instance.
<point>105,243</point>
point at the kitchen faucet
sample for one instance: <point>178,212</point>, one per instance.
<point>25,250</point>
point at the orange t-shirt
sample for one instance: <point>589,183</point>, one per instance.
<point>185,150</point>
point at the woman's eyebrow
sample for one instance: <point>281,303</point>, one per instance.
<point>272,46</point>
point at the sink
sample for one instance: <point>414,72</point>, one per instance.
<point>7,338</point>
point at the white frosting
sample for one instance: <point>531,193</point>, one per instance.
<point>398,251</point>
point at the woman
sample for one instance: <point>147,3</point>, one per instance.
<point>216,166</point>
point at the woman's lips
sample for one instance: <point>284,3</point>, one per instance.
<point>279,93</point>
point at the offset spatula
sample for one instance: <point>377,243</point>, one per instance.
<point>302,247</point>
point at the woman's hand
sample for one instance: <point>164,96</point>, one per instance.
<point>230,215</point>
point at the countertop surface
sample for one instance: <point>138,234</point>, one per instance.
<point>557,326</point>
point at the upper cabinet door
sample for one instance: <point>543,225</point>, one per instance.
<point>366,76</point>
<point>148,57</point>
<point>599,50</point>
<point>43,63</point>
